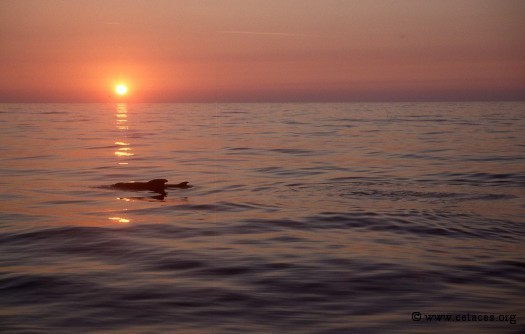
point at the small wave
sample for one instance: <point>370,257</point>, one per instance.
<point>37,157</point>
<point>216,207</point>
<point>53,112</point>
<point>293,151</point>
<point>427,224</point>
<point>287,172</point>
<point>478,179</point>
<point>424,195</point>
<point>239,148</point>
<point>66,202</point>
<point>101,147</point>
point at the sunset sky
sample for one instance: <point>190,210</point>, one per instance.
<point>271,50</point>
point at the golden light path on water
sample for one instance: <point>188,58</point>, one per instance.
<point>123,145</point>
<point>124,149</point>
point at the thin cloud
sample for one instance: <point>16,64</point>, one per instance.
<point>260,33</point>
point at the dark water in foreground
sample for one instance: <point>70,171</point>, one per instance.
<point>303,218</point>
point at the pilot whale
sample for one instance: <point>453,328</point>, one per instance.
<point>156,185</point>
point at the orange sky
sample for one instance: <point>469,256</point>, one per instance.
<point>271,50</point>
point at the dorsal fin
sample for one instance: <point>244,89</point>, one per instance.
<point>158,181</point>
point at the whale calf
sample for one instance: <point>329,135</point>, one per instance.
<point>156,185</point>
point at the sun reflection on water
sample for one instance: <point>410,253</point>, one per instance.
<point>120,220</point>
<point>122,115</point>
<point>123,152</point>
<point>124,149</point>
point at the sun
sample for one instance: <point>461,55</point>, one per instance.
<point>121,89</point>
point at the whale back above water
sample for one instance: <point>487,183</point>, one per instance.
<point>156,185</point>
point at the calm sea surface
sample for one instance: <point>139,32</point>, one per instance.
<point>303,218</point>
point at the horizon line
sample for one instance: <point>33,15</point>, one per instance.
<point>270,102</point>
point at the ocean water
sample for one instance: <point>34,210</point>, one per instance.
<point>303,218</point>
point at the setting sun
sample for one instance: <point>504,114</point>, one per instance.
<point>121,89</point>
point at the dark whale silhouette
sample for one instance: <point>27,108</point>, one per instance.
<point>156,185</point>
